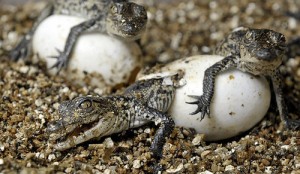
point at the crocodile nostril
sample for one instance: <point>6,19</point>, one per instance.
<point>263,54</point>
<point>129,29</point>
<point>54,125</point>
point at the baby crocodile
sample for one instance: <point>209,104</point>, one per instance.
<point>120,18</point>
<point>256,51</point>
<point>85,118</point>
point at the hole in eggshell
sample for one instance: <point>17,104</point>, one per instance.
<point>130,80</point>
<point>133,74</point>
<point>232,113</point>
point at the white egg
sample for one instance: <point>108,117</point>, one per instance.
<point>240,99</point>
<point>110,60</point>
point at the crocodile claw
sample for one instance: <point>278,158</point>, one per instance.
<point>20,51</point>
<point>61,62</point>
<point>17,54</point>
<point>203,106</point>
<point>157,168</point>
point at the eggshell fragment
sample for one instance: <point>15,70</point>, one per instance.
<point>240,99</point>
<point>110,60</point>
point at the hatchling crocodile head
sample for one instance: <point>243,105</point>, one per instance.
<point>77,116</point>
<point>261,50</point>
<point>126,20</point>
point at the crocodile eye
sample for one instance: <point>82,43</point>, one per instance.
<point>273,37</point>
<point>281,38</point>
<point>250,36</point>
<point>276,37</point>
<point>85,104</point>
<point>119,7</point>
<point>114,9</point>
<point>138,10</point>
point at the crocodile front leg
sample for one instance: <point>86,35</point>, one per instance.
<point>210,74</point>
<point>295,15</point>
<point>277,85</point>
<point>165,128</point>
<point>22,50</point>
<point>75,31</point>
<point>293,48</point>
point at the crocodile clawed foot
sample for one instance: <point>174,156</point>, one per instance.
<point>156,151</point>
<point>157,168</point>
<point>293,124</point>
<point>157,155</point>
<point>19,52</point>
<point>203,106</point>
<point>61,60</point>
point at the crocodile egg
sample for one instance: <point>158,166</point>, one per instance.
<point>240,99</point>
<point>101,59</point>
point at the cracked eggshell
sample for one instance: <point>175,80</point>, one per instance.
<point>240,99</point>
<point>108,60</point>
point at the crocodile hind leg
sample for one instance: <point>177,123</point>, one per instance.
<point>203,101</point>
<point>23,49</point>
<point>277,85</point>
